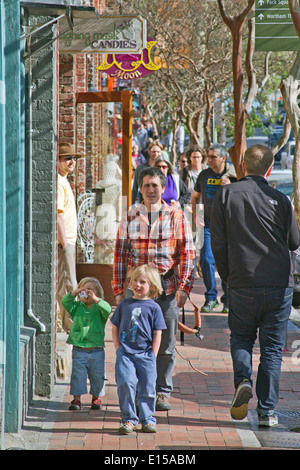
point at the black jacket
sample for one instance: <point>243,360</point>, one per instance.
<point>253,227</point>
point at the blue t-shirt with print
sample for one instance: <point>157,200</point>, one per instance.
<point>136,320</point>
<point>208,184</point>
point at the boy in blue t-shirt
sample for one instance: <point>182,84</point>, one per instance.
<point>137,325</point>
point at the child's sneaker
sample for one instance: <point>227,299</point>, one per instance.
<point>75,405</point>
<point>127,427</point>
<point>267,420</point>
<point>149,427</point>
<point>96,404</point>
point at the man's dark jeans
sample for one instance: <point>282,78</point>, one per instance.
<point>266,310</point>
<point>208,265</point>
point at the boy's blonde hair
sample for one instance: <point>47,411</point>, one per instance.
<point>93,280</point>
<point>152,276</point>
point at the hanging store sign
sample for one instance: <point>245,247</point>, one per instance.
<point>129,66</point>
<point>108,34</point>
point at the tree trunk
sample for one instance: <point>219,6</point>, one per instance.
<point>192,123</point>
<point>151,118</point>
<point>283,138</point>
<point>237,151</point>
<point>176,125</point>
<point>290,90</point>
<point>235,24</point>
<point>208,112</point>
<point>295,11</point>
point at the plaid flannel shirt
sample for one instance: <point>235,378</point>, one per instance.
<point>166,244</point>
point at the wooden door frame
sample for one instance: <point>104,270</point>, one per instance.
<point>125,97</point>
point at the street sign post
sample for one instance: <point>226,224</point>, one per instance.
<point>274,27</point>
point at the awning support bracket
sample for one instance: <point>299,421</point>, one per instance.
<point>35,29</point>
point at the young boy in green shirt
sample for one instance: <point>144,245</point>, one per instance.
<point>89,314</point>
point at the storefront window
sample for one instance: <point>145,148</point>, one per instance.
<point>98,180</point>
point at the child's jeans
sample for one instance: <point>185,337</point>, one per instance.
<point>136,373</point>
<point>88,363</point>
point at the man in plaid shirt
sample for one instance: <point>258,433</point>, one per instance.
<point>159,235</point>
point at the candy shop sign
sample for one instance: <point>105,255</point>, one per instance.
<point>129,66</point>
<point>109,34</point>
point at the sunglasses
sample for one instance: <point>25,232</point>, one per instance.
<point>162,166</point>
<point>68,158</point>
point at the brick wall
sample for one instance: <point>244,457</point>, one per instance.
<point>42,131</point>
<point>55,81</point>
<point>84,126</point>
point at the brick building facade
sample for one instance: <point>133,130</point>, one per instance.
<point>83,126</point>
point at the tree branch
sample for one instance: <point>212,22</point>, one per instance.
<point>283,138</point>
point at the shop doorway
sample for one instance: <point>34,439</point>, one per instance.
<point>104,179</point>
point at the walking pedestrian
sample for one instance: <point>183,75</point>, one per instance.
<point>155,150</point>
<point>89,313</point>
<point>176,192</point>
<point>207,185</point>
<point>182,162</point>
<point>156,234</point>
<point>196,156</point>
<point>66,231</point>
<point>142,135</point>
<point>253,229</point>
<point>137,325</point>
<point>137,156</point>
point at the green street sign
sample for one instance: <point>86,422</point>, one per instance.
<point>274,27</point>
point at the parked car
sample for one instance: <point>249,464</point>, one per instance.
<point>291,148</point>
<point>286,186</point>
<point>283,181</point>
<point>278,174</point>
<point>287,156</point>
<point>295,255</point>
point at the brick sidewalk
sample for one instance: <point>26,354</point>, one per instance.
<point>199,418</point>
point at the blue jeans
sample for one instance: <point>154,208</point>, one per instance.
<point>136,374</point>
<point>166,357</point>
<point>88,363</point>
<point>267,310</point>
<point>207,264</point>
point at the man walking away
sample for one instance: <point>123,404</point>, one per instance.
<point>253,229</point>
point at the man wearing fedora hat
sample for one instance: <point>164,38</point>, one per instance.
<point>66,230</point>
